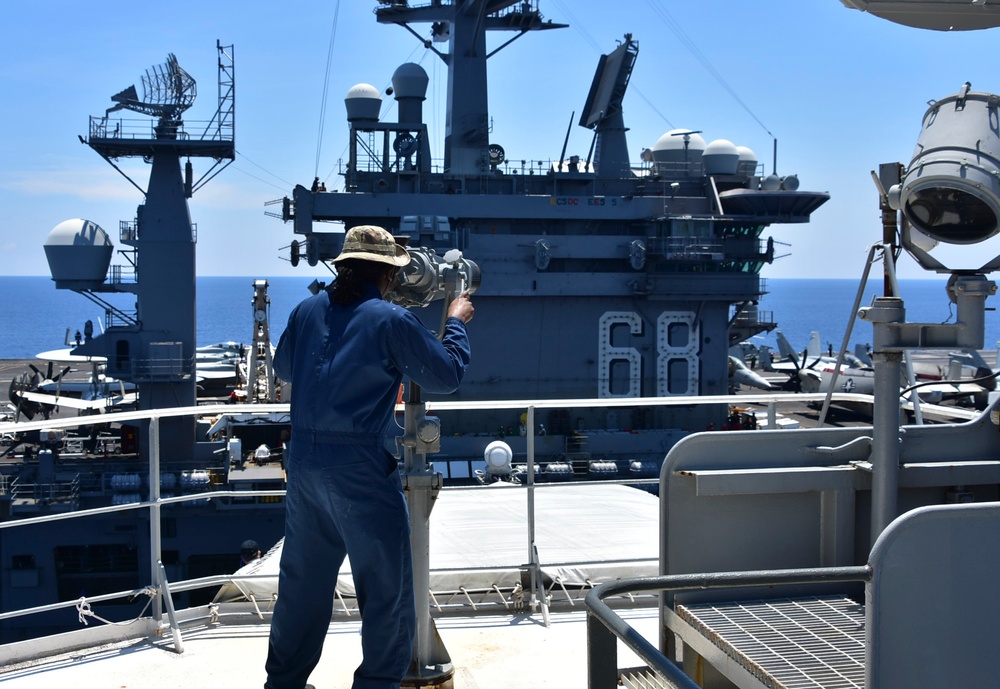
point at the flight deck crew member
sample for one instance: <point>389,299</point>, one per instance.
<point>249,551</point>
<point>345,352</point>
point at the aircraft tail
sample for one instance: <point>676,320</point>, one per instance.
<point>863,353</point>
<point>814,348</point>
<point>785,347</point>
<point>764,358</point>
<point>975,358</point>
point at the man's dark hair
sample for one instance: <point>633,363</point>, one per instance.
<point>352,276</point>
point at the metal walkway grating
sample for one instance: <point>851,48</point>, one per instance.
<point>642,678</point>
<point>802,643</point>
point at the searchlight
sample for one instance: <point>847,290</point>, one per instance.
<point>949,193</point>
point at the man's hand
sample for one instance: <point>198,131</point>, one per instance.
<point>461,307</point>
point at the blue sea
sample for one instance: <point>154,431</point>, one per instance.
<point>35,315</point>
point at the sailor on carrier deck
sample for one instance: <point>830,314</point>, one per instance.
<point>345,352</point>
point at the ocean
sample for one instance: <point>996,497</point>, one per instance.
<point>35,315</point>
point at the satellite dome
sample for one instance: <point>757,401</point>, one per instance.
<point>675,138</point>
<point>678,147</point>
<point>721,157</point>
<point>363,103</point>
<point>771,183</point>
<point>79,253</point>
<point>748,161</point>
<point>410,81</point>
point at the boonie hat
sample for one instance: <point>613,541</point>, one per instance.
<point>372,243</point>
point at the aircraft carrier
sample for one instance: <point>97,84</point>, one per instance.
<point>602,277</point>
<point>821,557</point>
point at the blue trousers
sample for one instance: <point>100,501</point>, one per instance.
<point>343,498</point>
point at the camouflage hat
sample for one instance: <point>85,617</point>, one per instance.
<point>371,243</point>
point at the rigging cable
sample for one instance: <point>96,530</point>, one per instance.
<point>283,181</point>
<point>675,27</point>
<point>326,86</point>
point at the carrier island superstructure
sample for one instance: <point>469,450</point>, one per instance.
<point>777,565</point>
<point>600,277</point>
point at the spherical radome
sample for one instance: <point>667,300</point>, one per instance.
<point>78,251</point>
<point>363,102</point>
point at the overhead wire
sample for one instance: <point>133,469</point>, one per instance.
<point>678,31</point>
<point>260,179</point>
<point>326,85</point>
<point>283,181</point>
<point>322,116</point>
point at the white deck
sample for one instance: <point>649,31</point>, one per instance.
<point>585,533</point>
<point>488,652</point>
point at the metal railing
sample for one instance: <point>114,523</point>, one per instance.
<point>47,493</point>
<point>156,501</point>
<point>103,127</point>
<point>605,627</point>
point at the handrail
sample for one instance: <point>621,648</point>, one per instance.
<point>141,504</point>
<point>442,405</point>
<point>155,502</point>
<point>602,652</point>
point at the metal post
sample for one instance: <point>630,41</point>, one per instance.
<point>155,544</point>
<point>537,594</point>
<point>847,333</point>
<point>602,655</point>
<point>885,440</point>
<point>531,503</point>
<point>430,665</point>
<point>893,336</point>
<point>885,315</point>
<point>175,630</point>
<point>893,281</point>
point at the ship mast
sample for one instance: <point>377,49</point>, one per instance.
<point>463,24</point>
<point>154,347</point>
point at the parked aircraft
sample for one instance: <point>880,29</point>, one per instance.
<point>792,360</point>
<point>43,393</point>
<point>740,374</point>
<point>930,389</point>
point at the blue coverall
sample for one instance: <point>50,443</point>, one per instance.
<point>344,497</point>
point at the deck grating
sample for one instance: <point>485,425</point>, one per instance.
<point>801,643</point>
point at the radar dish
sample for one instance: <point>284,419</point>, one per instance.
<point>610,82</point>
<point>167,91</point>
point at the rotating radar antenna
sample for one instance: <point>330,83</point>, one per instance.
<point>167,91</point>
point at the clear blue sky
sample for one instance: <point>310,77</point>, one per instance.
<point>841,90</point>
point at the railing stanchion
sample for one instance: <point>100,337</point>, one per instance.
<point>602,655</point>
<point>537,590</point>
<point>155,545</point>
<point>175,630</point>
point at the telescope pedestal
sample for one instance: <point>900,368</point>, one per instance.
<point>431,665</point>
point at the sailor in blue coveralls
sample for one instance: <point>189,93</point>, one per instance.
<point>345,352</point>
